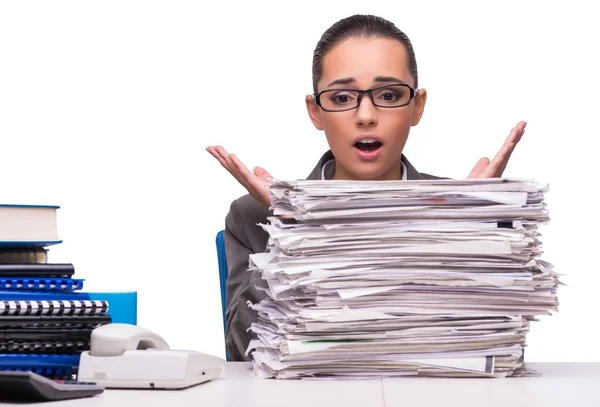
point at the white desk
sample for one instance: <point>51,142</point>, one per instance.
<point>562,384</point>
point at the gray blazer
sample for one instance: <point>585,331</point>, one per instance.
<point>243,237</point>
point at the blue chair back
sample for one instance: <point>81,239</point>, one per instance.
<point>222,273</point>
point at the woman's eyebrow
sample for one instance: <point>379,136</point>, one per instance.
<point>344,81</point>
<point>347,81</point>
<point>388,79</point>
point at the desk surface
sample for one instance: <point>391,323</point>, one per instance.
<point>561,384</point>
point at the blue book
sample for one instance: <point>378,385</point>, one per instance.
<point>25,244</point>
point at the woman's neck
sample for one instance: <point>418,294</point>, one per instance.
<point>394,173</point>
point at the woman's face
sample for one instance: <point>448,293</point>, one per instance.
<point>365,63</point>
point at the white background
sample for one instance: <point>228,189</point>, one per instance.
<point>106,108</point>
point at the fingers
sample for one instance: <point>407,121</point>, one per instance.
<point>255,182</point>
<point>516,133</point>
<point>500,161</point>
<point>250,180</point>
<point>224,158</point>
<point>513,137</point>
<point>498,164</point>
<point>218,156</point>
<point>263,174</point>
<point>479,167</point>
<point>509,148</point>
<point>520,130</point>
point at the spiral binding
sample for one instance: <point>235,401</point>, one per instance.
<point>41,284</point>
<point>55,307</point>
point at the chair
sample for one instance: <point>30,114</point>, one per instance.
<point>222,258</point>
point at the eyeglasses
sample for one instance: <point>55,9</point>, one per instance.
<point>388,96</point>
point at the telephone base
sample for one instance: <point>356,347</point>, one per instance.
<point>150,369</point>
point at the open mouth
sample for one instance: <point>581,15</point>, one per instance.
<point>368,145</point>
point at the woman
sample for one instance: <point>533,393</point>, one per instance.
<point>366,99</point>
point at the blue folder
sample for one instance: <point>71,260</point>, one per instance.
<point>122,306</point>
<point>17,295</point>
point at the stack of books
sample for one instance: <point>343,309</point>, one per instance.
<point>45,319</point>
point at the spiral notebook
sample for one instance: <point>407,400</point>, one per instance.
<point>45,284</point>
<point>122,305</point>
<point>66,347</point>
<point>46,270</point>
<point>56,307</point>
<point>48,334</point>
<point>44,322</point>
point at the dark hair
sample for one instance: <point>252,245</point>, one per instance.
<point>361,26</point>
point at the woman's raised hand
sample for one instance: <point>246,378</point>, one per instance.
<point>256,182</point>
<point>494,169</point>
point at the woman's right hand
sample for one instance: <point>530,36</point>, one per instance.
<point>257,182</point>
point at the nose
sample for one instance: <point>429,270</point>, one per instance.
<point>366,113</point>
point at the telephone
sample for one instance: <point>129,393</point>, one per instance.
<point>129,356</point>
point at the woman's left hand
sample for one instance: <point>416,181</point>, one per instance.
<point>494,169</point>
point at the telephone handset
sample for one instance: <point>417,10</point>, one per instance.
<point>115,339</point>
<point>129,356</point>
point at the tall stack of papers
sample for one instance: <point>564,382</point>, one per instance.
<point>383,279</point>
